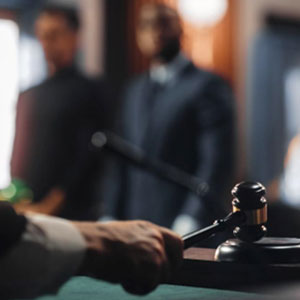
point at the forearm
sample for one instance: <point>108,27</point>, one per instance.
<point>137,254</point>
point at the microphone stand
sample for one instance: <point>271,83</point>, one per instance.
<point>137,157</point>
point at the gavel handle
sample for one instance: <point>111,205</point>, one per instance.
<point>195,237</point>
<point>232,220</point>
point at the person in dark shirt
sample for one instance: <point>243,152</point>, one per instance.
<point>54,123</point>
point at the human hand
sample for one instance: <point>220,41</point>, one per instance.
<point>137,254</point>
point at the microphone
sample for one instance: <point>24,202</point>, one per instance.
<point>139,158</point>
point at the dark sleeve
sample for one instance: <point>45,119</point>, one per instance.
<point>12,227</point>
<point>215,148</point>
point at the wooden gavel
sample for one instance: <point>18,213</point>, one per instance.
<point>248,216</point>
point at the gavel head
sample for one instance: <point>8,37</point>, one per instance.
<point>249,198</point>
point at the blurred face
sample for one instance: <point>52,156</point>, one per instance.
<point>58,40</point>
<point>158,32</point>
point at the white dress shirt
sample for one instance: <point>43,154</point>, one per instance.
<point>50,251</point>
<point>166,74</point>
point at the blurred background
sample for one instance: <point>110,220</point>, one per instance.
<point>254,44</point>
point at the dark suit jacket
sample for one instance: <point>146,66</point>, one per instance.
<point>54,124</point>
<point>188,125</point>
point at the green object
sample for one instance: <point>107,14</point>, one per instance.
<point>83,288</point>
<point>16,191</point>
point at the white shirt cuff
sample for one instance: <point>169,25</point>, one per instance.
<point>50,251</point>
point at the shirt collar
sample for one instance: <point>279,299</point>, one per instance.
<point>66,71</point>
<point>164,74</point>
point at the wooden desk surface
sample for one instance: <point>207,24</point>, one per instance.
<point>201,270</point>
<point>199,254</point>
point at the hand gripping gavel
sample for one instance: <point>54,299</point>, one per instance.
<point>248,216</point>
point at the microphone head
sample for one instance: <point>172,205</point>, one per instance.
<point>249,198</point>
<point>99,139</point>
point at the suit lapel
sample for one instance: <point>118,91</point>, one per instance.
<point>141,105</point>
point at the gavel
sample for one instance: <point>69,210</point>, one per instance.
<point>248,216</point>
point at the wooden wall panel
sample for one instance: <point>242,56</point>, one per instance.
<point>137,62</point>
<point>7,14</point>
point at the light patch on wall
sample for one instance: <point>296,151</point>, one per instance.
<point>9,36</point>
<point>203,12</point>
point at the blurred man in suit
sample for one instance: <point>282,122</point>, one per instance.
<point>54,123</point>
<point>181,115</point>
